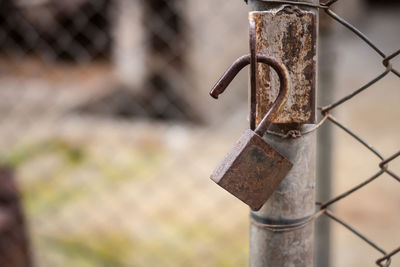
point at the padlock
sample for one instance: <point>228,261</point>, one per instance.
<point>252,170</point>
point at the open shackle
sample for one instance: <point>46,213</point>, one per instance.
<point>284,81</point>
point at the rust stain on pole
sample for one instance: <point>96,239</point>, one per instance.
<point>287,33</point>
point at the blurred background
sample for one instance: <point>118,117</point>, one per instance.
<point>108,134</point>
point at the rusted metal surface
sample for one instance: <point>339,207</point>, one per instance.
<point>252,170</point>
<point>253,73</point>
<point>287,33</point>
<point>242,62</point>
<point>292,201</point>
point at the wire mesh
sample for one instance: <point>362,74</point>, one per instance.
<point>102,118</point>
<point>384,165</point>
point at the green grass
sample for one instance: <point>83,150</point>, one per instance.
<point>58,174</point>
<point>93,250</point>
<point>71,153</point>
<point>78,175</point>
<point>195,245</point>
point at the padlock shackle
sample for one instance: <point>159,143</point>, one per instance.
<point>280,101</point>
<point>229,75</point>
<point>284,79</point>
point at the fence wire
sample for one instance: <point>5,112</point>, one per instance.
<point>102,130</point>
<point>384,165</point>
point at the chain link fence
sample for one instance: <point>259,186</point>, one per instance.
<point>107,125</point>
<point>385,162</point>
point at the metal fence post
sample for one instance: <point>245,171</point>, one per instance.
<point>326,57</point>
<point>293,204</point>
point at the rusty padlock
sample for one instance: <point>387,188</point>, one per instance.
<point>252,170</point>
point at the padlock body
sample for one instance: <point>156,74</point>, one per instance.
<point>252,170</point>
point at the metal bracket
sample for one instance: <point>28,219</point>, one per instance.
<point>287,33</point>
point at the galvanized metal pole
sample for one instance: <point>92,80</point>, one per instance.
<point>327,55</point>
<point>281,233</point>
